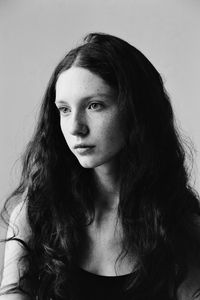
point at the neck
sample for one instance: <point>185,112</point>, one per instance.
<point>107,190</point>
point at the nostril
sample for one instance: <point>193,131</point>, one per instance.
<point>79,128</point>
<point>84,129</point>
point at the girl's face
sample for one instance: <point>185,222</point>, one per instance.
<point>89,117</point>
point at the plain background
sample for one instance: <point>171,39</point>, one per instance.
<point>35,35</point>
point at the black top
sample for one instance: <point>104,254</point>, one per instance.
<point>90,286</point>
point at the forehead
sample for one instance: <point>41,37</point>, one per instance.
<point>80,82</point>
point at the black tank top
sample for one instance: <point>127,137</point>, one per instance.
<point>90,286</point>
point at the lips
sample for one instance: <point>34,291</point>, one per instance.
<point>82,146</point>
<point>84,150</point>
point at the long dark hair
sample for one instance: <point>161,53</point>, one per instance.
<point>158,207</point>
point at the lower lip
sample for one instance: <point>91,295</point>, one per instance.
<point>85,150</point>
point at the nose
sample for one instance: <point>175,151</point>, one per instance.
<point>78,125</point>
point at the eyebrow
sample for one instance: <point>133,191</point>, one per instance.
<point>103,95</point>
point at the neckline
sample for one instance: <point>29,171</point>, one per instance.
<point>88,273</point>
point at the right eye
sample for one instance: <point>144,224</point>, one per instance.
<point>63,110</point>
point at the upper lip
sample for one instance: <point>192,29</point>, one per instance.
<point>82,146</point>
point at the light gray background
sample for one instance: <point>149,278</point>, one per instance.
<point>34,36</point>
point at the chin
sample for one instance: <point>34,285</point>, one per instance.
<point>89,163</point>
<point>86,163</point>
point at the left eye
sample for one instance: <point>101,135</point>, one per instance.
<point>95,106</point>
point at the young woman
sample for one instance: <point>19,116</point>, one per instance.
<point>104,207</point>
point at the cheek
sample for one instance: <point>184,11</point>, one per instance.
<point>64,132</point>
<point>62,128</point>
<point>112,132</point>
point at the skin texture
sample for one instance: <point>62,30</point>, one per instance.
<point>89,114</point>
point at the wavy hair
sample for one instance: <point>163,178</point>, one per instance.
<point>158,207</point>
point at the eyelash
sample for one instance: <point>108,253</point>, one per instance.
<point>96,103</point>
<point>62,108</point>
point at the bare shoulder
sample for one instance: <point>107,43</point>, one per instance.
<point>18,222</point>
<point>190,288</point>
<point>14,250</point>
<point>14,297</point>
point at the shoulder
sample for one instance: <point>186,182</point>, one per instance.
<point>19,229</point>
<point>18,222</point>
<point>189,287</point>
